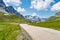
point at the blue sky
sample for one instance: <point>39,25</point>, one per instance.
<point>43,8</point>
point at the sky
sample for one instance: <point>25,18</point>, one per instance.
<point>42,8</point>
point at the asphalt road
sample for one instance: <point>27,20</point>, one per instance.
<point>39,33</point>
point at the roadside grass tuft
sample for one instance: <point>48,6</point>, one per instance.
<point>9,31</point>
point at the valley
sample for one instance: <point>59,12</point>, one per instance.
<point>13,23</point>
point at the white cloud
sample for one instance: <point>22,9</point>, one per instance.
<point>40,4</point>
<point>34,14</point>
<point>15,2</point>
<point>19,9</point>
<point>56,7</point>
<point>7,0</point>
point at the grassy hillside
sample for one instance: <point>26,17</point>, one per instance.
<point>53,24</point>
<point>9,27</point>
<point>54,18</point>
<point>12,18</point>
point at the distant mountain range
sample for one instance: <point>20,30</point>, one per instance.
<point>11,10</point>
<point>8,9</point>
<point>34,18</point>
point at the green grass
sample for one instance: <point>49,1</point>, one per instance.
<point>53,24</point>
<point>9,31</point>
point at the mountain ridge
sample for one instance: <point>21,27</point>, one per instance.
<point>33,18</point>
<point>8,9</point>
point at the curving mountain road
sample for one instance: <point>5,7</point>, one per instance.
<point>39,33</point>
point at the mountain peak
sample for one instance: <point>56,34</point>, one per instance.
<point>33,17</point>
